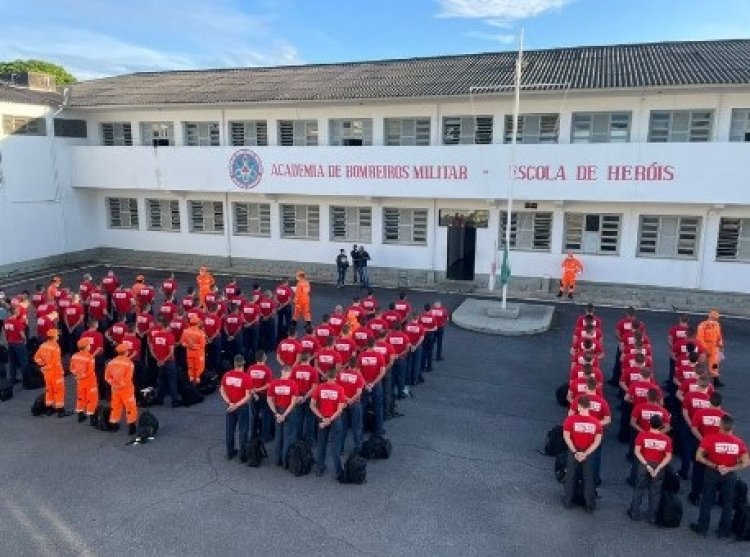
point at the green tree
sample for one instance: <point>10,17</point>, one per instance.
<point>62,76</point>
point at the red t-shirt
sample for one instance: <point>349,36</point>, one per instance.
<point>643,412</point>
<point>328,396</point>
<point>680,346</point>
<point>45,309</point>
<point>624,326</point>
<point>306,376</point>
<point>583,430</point>
<point>675,333</point>
<point>232,323</point>
<point>236,383</point>
<point>169,287</point>
<point>211,298</point>
<point>281,391</point>
<point>117,332</point>
<point>708,420</point>
<point>327,359</point>
<point>85,290</point>
<point>63,302</point>
<point>402,309</point>
<point>43,325</point>
<point>211,325</point>
<point>694,401</point>
<point>362,336</point>
<point>37,299</point>
<point>14,330</point>
<point>428,321</point>
<point>638,391</point>
<point>267,307</point>
<point>346,348</point>
<point>351,381</point>
<point>188,302</point>
<point>110,284</point>
<point>162,343</point>
<point>631,375</point>
<point>145,295</point>
<point>97,307</point>
<point>97,340</point>
<point>322,332</point>
<point>441,315</point>
<point>384,349</point>
<point>122,301</point>
<point>73,314</point>
<point>577,373</point>
<point>168,310</point>
<point>284,294</point>
<point>134,345</point>
<point>231,290</point>
<point>723,449</point>
<point>177,326</point>
<point>143,322</point>
<point>288,350</point>
<point>578,387</point>
<point>370,305</point>
<point>336,323</point>
<point>581,322</point>
<point>260,375</point>
<point>377,324</point>
<point>370,363</point>
<point>415,331</point>
<point>654,445</point>
<point>250,313</point>
<point>309,344</point>
<point>684,372</point>
<point>355,310</point>
<point>599,408</point>
<point>391,317</point>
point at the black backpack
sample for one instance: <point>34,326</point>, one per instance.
<point>39,407</point>
<point>561,466</point>
<point>300,458</point>
<point>376,447</point>
<point>6,389</point>
<point>741,523</point>
<point>253,452</point>
<point>561,394</point>
<point>147,427</point>
<point>101,416</point>
<point>209,383</point>
<point>669,513</point>
<point>189,394</point>
<point>355,470</point>
<point>368,420</point>
<point>740,494</point>
<point>555,443</point>
<point>671,482</point>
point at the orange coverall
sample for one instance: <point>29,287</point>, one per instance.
<point>119,374</point>
<point>49,358</point>
<point>205,282</point>
<point>709,335</point>
<point>571,267</point>
<point>302,301</point>
<point>87,394</point>
<point>194,341</point>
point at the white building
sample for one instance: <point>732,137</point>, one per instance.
<point>636,156</point>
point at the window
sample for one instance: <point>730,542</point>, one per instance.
<point>163,214</point>
<point>404,226</point>
<point>668,236</point>
<point>467,130</point>
<point>298,133</point>
<point>201,134</point>
<point>24,125</point>
<point>300,221</point>
<point>407,131</point>
<point>65,127</point>
<point>206,216</point>
<point>116,133</point>
<point>739,130</point>
<point>590,233</point>
<point>122,212</point>
<point>157,134</point>
<point>529,230</point>
<point>249,132</point>
<point>351,224</point>
<point>252,219</point>
<point>680,125</point>
<point>600,127</point>
<point>351,132</point>
<point>734,240</point>
<point>533,128</point>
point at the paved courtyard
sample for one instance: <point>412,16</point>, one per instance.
<point>465,477</point>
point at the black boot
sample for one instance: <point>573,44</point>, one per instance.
<point>50,410</point>
<point>114,427</point>
<point>92,420</point>
<point>61,413</point>
<point>81,417</point>
<point>131,429</point>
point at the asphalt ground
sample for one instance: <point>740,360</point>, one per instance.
<point>465,478</point>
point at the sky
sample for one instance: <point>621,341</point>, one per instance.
<point>96,38</point>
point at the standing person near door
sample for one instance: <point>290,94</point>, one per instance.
<point>355,263</point>
<point>364,257</point>
<point>342,264</point>
<point>572,267</point>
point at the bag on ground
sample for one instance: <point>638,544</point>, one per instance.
<point>741,523</point>
<point>355,470</point>
<point>300,458</point>
<point>39,407</point>
<point>561,394</point>
<point>6,389</point>
<point>189,394</point>
<point>253,452</point>
<point>209,383</point>
<point>555,443</point>
<point>148,425</point>
<point>669,513</point>
<point>671,483</point>
<point>101,416</point>
<point>376,447</point>
<point>561,466</point>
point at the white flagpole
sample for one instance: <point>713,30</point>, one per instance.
<point>516,109</point>
<point>493,269</point>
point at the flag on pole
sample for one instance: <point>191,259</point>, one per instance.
<point>505,268</point>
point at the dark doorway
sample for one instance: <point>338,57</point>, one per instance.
<point>462,247</point>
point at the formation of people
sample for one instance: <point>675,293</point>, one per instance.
<point>120,341</point>
<point>683,417</point>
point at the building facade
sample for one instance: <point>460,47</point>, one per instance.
<point>636,157</point>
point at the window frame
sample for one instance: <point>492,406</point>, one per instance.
<point>533,231</point>
<point>362,214</point>
<point>19,125</point>
<point>301,133</point>
<point>132,212</point>
<point>482,129</point>
<point>263,219</point>
<point>741,239</point>
<point>424,215</point>
<point>254,133</point>
<point>524,138</point>
<point>168,208</point>
<point>208,133</point>
<point>308,220</point>
<point>126,136</point>
<point>365,126</point>
<point>670,133</point>
<point>148,139</point>
<point>71,128</point>
<point>592,124</point>
<point>567,245</point>
<point>421,138</point>
<point>660,236</point>
<point>739,116</point>
<point>218,230</point>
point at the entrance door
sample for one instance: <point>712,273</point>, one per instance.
<point>461,252</point>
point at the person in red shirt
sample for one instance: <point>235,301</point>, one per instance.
<point>442,317</point>
<point>114,335</point>
<point>145,295</point>
<point>96,339</point>
<point>372,366</point>
<point>351,380</point>
<point>212,325</point>
<point>190,300</point>
<point>327,357</point>
<point>73,320</point>
<point>168,308</point>
<point>232,290</point>
<point>361,336</point>
<point>232,329</point>
<point>377,324</point>
<point>676,332</point>
<point>623,326</point>
<point>133,343</point>
<point>416,334</point>
<point>370,304</point>
<point>401,345</point>
<point>86,287</point>
<point>267,330</point>
<point>588,317</point>
<point>250,326</point>
<point>289,349</point>
<point>345,345</point>
<point>579,385</point>
<point>144,321</point>
<point>722,454</point>
<point>236,390</point>
<point>695,399</point>
<point>260,413</point>
<point>15,336</point>
<point>336,320</point>
<point>642,411</point>
<point>327,403</point>
<point>323,331</point>
<point>169,287</point>
<point>284,296</point>
<point>599,409</point>
<point>401,306</point>
<point>653,451</point>
<point>706,421</point>
<point>391,317</point>
<point>123,303</point>
<point>283,396</point>
<point>98,310</point>
<point>163,349</point>
<point>430,325</point>
<point>583,435</point>
<point>306,377</point>
<point>309,342</point>
<point>110,283</point>
<point>38,297</point>
<point>635,393</point>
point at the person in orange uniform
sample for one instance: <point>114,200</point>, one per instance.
<point>119,374</point>
<point>205,282</point>
<point>49,358</point>
<point>571,268</point>
<point>302,300</point>
<point>194,341</point>
<point>709,335</point>
<point>82,366</point>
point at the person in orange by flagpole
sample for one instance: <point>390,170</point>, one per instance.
<point>205,282</point>
<point>302,300</point>
<point>571,268</point>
